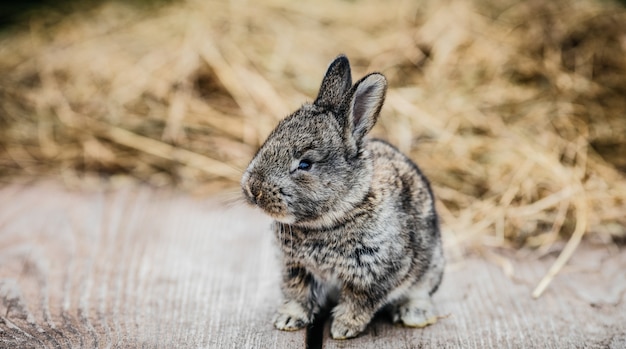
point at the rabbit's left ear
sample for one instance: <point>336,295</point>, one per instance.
<point>335,84</point>
<point>364,104</point>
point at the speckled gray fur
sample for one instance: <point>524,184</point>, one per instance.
<point>354,218</point>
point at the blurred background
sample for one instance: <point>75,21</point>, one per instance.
<point>515,110</point>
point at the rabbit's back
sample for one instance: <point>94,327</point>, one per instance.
<point>395,172</point>
<point>408,193</point>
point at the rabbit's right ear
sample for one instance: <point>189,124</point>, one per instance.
<point>361,108</point>
<point>336,83</point>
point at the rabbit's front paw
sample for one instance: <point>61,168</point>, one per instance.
<point>416,313</point>
<point>347,324</point>
<point>291,316</point>
<point>341,329</point>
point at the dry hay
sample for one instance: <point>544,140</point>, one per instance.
<point>515,110</point>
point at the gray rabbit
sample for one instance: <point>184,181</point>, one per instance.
<point>354,218</point>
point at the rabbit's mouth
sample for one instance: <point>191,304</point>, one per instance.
<point>277,211</point>
<point>285,219</point>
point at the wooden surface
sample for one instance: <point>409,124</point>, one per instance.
<point>143,268</point>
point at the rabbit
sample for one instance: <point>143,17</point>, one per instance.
<point>354,218</point>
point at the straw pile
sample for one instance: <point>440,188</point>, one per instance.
<point>515,110</point>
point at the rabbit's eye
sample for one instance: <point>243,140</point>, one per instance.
<point>305,165</point>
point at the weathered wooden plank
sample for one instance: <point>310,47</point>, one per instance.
<point>134,268</point>
<point>140,267</point>
<point>483,308</point>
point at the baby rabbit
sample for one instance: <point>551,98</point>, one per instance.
<point>354,217</point>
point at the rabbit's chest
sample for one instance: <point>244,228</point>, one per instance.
<point>319,255</point>
<point>330,258</point>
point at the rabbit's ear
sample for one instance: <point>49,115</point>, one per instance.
<point>365,103</point>
<point>336,83</point>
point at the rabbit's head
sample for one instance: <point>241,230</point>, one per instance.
<point>313,168</point>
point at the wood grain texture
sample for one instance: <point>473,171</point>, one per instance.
<point>144,268</point>
<point>134,268</point>
<point>483,308</point>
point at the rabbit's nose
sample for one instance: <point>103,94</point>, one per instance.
<point>252,189</point>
